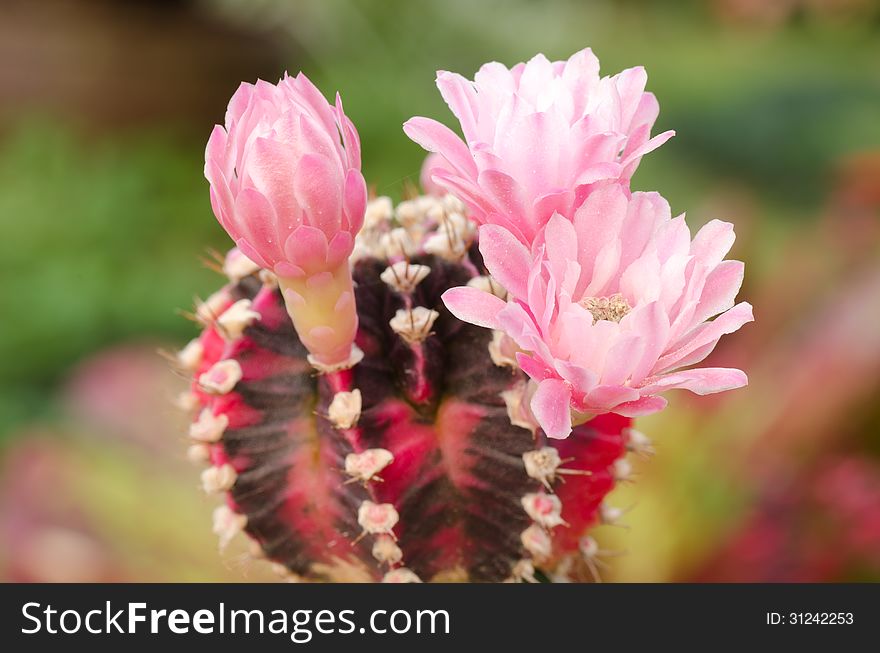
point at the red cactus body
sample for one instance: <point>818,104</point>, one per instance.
<point>412,464</point>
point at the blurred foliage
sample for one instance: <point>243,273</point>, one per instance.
<point>101,243</point>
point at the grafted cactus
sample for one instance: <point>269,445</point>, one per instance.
<point>387,394</point>
<point>419,462</point>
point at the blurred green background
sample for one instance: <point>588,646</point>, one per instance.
<point>105,107</point>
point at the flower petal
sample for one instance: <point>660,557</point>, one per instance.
<point>437,137</point>
<point>551,407</point>
<point>703,381</point>
<point>506,258</point>
<point>473,306</point>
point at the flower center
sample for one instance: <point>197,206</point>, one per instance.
<point>612,308</point>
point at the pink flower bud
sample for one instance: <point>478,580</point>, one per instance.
<point>286,185</point>
<point>285,177</point>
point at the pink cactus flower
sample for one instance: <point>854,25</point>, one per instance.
<point>610,306</point>
<point>538,137</point>
<point>286,185</point>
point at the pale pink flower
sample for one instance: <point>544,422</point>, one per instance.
<point>610,306</point>
<point>285,177</point>
<point>538,137</point>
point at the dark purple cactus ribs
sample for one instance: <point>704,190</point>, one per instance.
<point>419,463</point>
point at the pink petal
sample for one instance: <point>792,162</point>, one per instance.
<point>703,381</point>
<point>641,407</point>
<point>622,359</point>
<point>270,169</point>
<point>704,337</point>
<point>506,196</point>
<point>458,93</point>
<point>257,223</point>
<point>437,137</point>
<point>506,258</point>
<point>607,397</point>
<point>560,240</point>
<point>634,156</point>
<point>339,248</point>
<point>720,290</point>
<point>712,242</point>
<point>306,247</point>
<point>533,368</point>
<point>223,201</point>
<point>319,186</point>
<point>520,326</point>
<point>350,139</point>
<point>431,163</point>
<point>551,407</point>
<point>246,249</point>
<point>597,222</point>
<point>355,200</point>
<point>473,306</point>
<point>558,202</point>
<point>216,148</point>
<point>644,215</point>
<point>651,324</point>
<point>630,84</point>
<point>309,94</point>
<point>581,379</point>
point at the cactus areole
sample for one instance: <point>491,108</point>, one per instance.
<point>444,390</point>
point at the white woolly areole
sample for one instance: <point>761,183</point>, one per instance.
<point>376,518</point>
<point>186,401</point>
<point>404,276</point>
<point>542,464</point>
<point>355,357</point>
<point>208,310</point>
<point>190,357</point>
<point>518,411</point>
<point>401,575</point>
<point>489,285</point>
<point>589,548</point>
<point>398,242</point>
<point>208,427</point>
<point>544,509</point>
<point>524,571</point>
<point>446,246</point>
<point>537,542</point>
<point>621,470</point>
<point>198,454</point>
<point>218,479</point>
<point>227,524</point>
<point>385,550</point>
<point>237,266</point>
<point>222,377</point>
<point>502,350</point>
<point>379,212</point>
<point>638,442</point>
<point>610,515</point>
<point>366,465</point>
<point>345,409</point>
<point>237,318</point>
<point>413,325</point>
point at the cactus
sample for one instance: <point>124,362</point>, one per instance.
<point>421,461</point>
<point>445,390</point>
